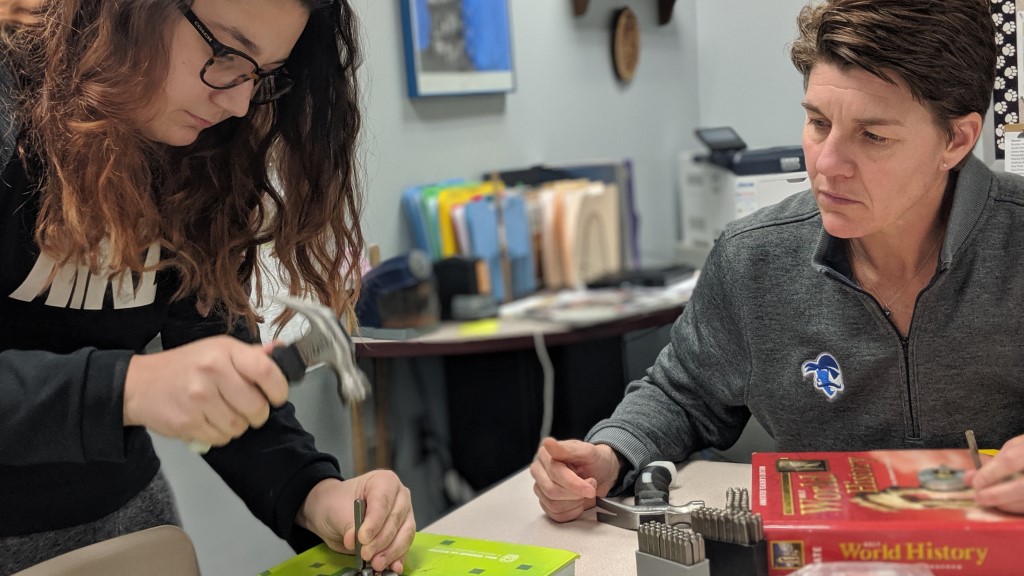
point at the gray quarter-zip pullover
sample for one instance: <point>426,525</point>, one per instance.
<point>777,329</point>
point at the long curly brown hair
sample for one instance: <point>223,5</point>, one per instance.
<point>285,174</point>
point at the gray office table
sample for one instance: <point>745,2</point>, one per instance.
<point>451,339</point>
<point>510,512</point>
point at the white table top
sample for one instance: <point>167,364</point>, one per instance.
<point>509,512</point>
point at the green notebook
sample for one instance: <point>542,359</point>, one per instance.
<point>435,554</point>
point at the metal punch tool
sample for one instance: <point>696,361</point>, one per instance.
<point>362,568</point>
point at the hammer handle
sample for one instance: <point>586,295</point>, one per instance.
<point>653,482</point>
<point>290,362</point>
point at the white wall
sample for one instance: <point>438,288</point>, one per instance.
<point>718,62</point>
<point>744,77</point>
<point>567,106</point>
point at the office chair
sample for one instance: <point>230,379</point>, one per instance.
<point>160,551</point>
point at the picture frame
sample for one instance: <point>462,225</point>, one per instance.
<point>455,47</point>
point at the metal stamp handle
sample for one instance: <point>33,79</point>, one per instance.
<point>359,507</point>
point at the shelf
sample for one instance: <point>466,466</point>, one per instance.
<point>579,8</point>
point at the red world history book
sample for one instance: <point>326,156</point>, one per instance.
<point>883,506</point>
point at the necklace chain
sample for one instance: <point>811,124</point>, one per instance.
<point>886,308</point>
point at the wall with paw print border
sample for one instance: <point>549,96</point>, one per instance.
<point>1006,96</point>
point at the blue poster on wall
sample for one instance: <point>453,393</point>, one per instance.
<point>457,47</point>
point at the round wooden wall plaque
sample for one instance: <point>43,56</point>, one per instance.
<point>625,44</point>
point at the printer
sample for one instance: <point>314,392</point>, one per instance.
<point>727,182</point>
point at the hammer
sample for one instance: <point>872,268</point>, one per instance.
<point>650,501</point>
<point>325,342</point>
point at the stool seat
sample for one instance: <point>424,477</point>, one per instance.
<point>159,551</point>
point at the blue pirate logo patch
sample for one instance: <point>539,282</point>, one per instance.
<point>828,376</point>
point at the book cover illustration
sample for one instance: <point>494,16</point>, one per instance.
<point>439,554</point>
<point>885,506</point>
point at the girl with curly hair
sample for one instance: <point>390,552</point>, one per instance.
<point>150,148</point>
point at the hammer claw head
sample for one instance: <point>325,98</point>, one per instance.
<point>620,520</point>
<point>617,514</point>
<point>326,342</point>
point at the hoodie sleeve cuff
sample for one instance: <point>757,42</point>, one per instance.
<point>103,402</point>
<point>294,495</point>
<point>631,451</point>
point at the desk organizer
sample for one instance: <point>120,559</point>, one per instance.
<point>651,565</point>
<point>730,559</point>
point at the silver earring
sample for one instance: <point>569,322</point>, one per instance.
<point>945,165</point>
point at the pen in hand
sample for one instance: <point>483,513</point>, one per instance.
<point>972,445</point>
<point>976,457</point>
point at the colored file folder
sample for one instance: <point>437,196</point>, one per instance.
<point>460,218</point>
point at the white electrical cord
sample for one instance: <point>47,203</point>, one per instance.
<point>547,416</point>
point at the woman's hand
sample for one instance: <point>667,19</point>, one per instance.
<point>568,475</point>
<point>999,483</point>
<point>387,530</point>
<point>209,391</point>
